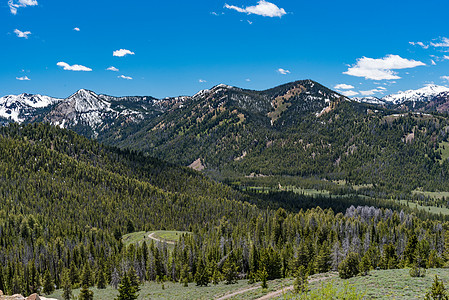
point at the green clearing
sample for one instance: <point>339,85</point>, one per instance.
<point>430,209</point>
<point>435,195</point>
<point>388,284</point>
<point>163,235</point>
<point>381,284</point>
<point>170,290</point>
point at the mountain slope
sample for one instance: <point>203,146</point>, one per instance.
<point>430,98</point>
<point>93,115</point>
<point>218,126</point>
<point>24,107</point>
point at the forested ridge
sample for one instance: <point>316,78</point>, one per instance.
<point>66,201</point>
<point>300,129</point>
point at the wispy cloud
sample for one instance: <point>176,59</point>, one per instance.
<point>263,8</point>
<point>22,34</point>
<point>443,42</point>
<point>349,93</point>
<point>14,4</point>
<point>202,81</point>
<point>381,68</point>
<point>76,29</point>
<point>125,77</point>
<point>68,67</point>
<point>343,86</point>
<point>23,78</point>
<point>433,62</point>
<point>421,44</point>
<point>247,80</point>
<point>122,52</point>
<point>112,68</point>
<point>283,71</point>
<point>445,78</point>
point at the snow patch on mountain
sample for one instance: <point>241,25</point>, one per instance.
<point>424,94</point>
<point>19,107</point>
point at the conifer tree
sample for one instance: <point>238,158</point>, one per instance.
<point>263,275</point>
<point>202,274</point>
<point>127,290</point>
<point>437,291</point>
<point>101,279</point>
<point>48,286</point>
<point>365,264</point>
<point>300,284</point>
<point>230,272</point>
<point>66,285</point>
<point>85,293</point>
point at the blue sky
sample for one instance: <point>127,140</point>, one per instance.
<point>180,47</point>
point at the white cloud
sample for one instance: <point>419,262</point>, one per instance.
<point>249,22</point>
<point>263,8</point>
<point>424,46</point>
<point>373,91</point>
<point>68,67</point>
<point>381,68</point>
<point>444,42</point>
<point>125,77</point>
<point>76,29</point>
<point>23,78</point>
<point>14,4</point>
<point>349,93</point>
<point>446,57</point>
<point>247,80</point>
<point>112,68</point>
<point>122,52</point>
<point>22,34</point>
<point>433,62</point>
<point>445,78</point>
<point>283,71</point>
<point>343,86</point>
<point>202,81</point>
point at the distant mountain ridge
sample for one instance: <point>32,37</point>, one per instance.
<point>430,98</point>
<point>300,128</point>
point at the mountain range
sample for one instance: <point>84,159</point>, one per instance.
<point>297,129</point>
<point>430,98</point>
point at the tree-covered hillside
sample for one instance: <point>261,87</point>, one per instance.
<point>66,201</point>
<point>300,129</point>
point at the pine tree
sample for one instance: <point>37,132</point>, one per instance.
<point>349,267</point>
<point>437,291</point>
<point>85,293</point>
<point>365,264</point>
<point>101,279</point>
<point>66,285</point>
<point>216,277</point>
<point>263,275</point>
<point>230,272</point>
<point>300,284</point>
<point>74,276</point>
<point>48,286</point>
<point>127,290</point>
<point>202,274</point>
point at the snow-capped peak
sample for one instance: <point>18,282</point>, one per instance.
<point>85,101</point>
<point>423,94</point>
<point>17,107</point>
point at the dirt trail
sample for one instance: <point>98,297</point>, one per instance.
<point>227,296</point>
<point>289,288</point>
<point>151,236</point>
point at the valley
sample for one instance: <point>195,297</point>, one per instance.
<point>97,190</point>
